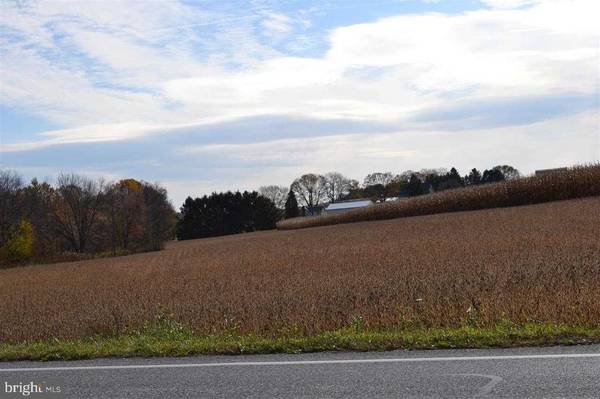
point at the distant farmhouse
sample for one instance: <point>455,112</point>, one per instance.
<point>543,172</point>
<point>345,206</point>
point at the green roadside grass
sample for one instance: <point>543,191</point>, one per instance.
<point>174,340</point>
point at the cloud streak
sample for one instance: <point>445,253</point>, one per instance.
<point>88,66</point>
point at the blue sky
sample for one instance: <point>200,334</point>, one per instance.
<point>203,95</point>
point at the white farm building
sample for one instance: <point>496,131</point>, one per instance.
<point>341,207</point>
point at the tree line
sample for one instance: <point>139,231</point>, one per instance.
<point>42,222</point>
<point>310,192</point>
<point>226,213</point>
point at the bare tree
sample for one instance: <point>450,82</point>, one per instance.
<point>125,208</point>
<point>384,179</point>
<point>310,189</point>
<point>378,186</point>
<point>336,185</point>
<point>160,216</point>
<point>277,194</point>
<point>76,208</point>
<point>509,172</point>
<point>423,173</point>
<point>37,202</point>
<point>10,212</point>
<point>407,174</point>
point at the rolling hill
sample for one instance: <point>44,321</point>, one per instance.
<point>535,263</point>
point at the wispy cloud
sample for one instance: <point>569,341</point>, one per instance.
<point>227,83</point>
<point>510,3</point>
<point>90,66</point>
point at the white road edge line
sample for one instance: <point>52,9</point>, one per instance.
<point>307,362</point>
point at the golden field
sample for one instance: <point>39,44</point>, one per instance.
<point>535,263</point>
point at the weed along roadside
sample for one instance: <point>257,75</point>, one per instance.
<point>171,339</point>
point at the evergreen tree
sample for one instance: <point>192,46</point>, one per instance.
<point>225,213</point>
<point>415,186</point>
<point>454,175</point>
<point>450,181</point>
<point>266,214</point>
<point>187,219</point>
<point>474,177</point>
<point>291,206</point>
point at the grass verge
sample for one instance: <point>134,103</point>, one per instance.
<point>174,340</point>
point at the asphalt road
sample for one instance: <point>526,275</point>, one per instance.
<point>557,372</point>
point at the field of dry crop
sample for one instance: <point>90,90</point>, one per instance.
<point>529,263</point>
<point>576,182</point>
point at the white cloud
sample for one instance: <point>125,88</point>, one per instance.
<point>509,3</point>
<point>86,134</point>
<point>398,64</point>
<point>108,76</point>
<point>91,63</point>
<point>276,24</point>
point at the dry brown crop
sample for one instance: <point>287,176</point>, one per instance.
<point>576,182</point>
<point>530,263</point>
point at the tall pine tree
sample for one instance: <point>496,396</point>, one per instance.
<point>474,177</point>
<point>291,206</point>
<point>415,186</point>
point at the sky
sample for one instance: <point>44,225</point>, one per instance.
<point>205,96</point>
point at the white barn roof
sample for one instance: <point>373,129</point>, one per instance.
<point>348,205</point>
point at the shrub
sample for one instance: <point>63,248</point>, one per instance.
<point>19,246</point>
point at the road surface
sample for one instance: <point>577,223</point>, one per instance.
<point>557,372</point>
